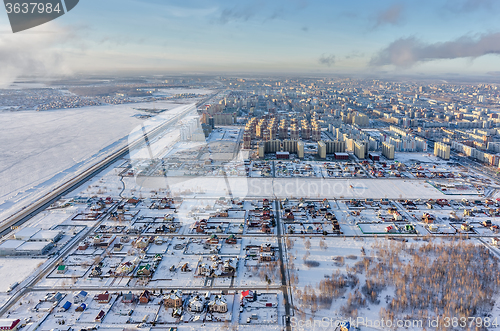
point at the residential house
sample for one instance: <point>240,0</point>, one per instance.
<point>231,240</point>
<point>218,305</point>
<point>214,240</point>
<point>228,266</point>
<point>103,297</point>
<point>173,299</point>
<point>145,296</point>
<point>196,305</point>
<point>128,297</point>
<point>144,270</point>
<point>466,227</point>
<point>266,247</point>
<point>80,297</point>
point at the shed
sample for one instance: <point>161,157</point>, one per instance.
<point>66,305</point>
<point>81,307</point>
<point>100,316</point>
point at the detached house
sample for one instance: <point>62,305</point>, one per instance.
<point>196,305</point>
<point>218,305</point>
<point>103,297</point>
<point>173,299</point>
<point>128,297</point>
<point>145,296</point>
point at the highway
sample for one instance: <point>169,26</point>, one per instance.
<point>28,212</point>
<point>284,282</point>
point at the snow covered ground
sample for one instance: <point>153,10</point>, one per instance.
<point>41,149</point>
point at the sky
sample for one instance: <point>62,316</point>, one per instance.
<point>415,37</point>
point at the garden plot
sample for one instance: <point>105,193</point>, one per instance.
<point>177,271</point>
<point>379,228</point>
<point>262,311</point>
<point>151,309</point>
<point>25,308</point>
<point>93,309</point>
<point>231,249</point>
<point>119,312</point>
<point>71,271</point>
<point>72,259</point>
<point>201,247</point>
<point>158,249</point>
<point>444,228</point>
<point>60,317</point>
<point>177,246</point>
<point>110,263</point>
<point>222,282</point>
<point>254,270</point>
<point>89,251</point>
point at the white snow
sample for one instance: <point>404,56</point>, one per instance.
<point>41,149</point>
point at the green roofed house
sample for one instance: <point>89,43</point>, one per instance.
<point>409,228</point>
<point>231,239</point>
<point>144,270</point>
<point>213,239</point>
<point>61,269</point>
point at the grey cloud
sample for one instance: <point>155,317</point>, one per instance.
<point>234,14</point>
<point>327,60</point>
<point>260,10</point>
<point>466,6</point>
<point>391,15</point>
<point>34,52</point>
<point>406,52</point>
<point>355,54</point>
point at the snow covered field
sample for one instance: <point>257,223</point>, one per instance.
<point>41,149</point>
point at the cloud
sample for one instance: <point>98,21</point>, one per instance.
<point>233,14</point>
<point>34,52</point>
<point>406,52</point>
<point>390,16</point>
<point>258,10</point>
<point>466,6</point>
<point>327,60</point>
<point>354,55</point>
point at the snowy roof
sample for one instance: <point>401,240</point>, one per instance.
<point>32,246</point>
<point>11,244</point>
<point>46,235</point>
<point>9,323</point>
<point>26,233</point>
